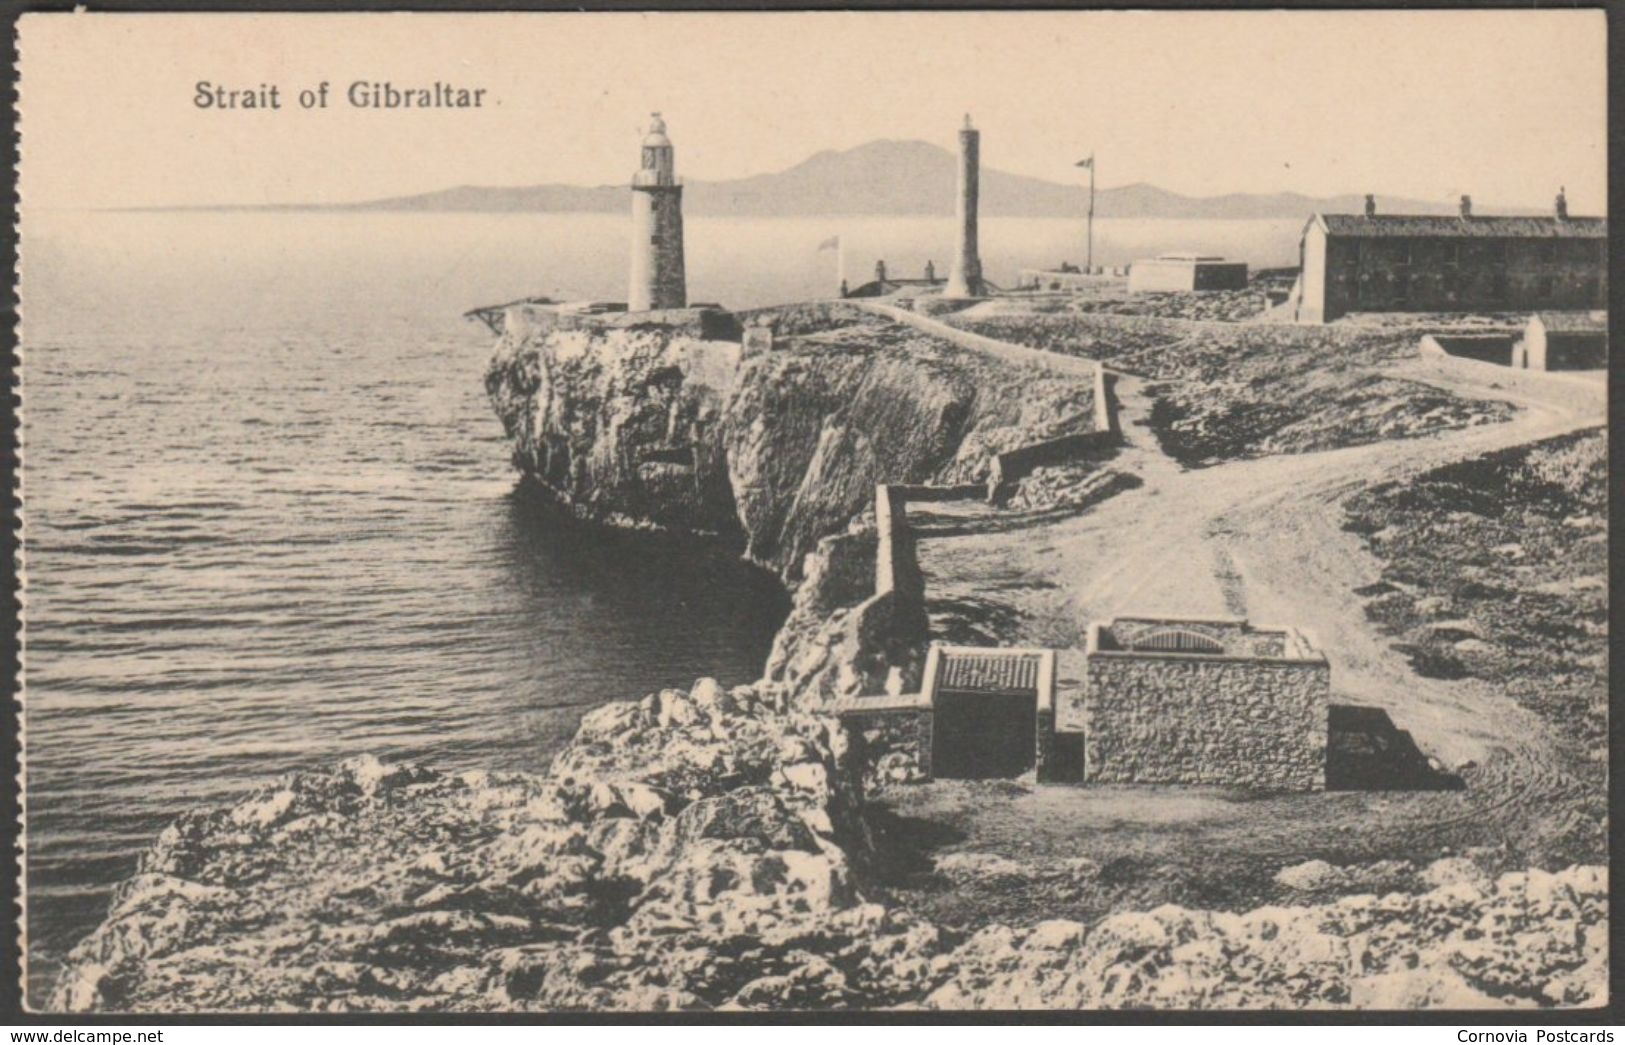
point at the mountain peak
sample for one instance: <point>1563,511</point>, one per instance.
<point>894,176</point>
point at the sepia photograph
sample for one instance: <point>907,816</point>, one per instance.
<point>813,512</point>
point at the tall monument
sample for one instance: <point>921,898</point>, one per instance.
<point>965,278</point>
<point>657,279</point>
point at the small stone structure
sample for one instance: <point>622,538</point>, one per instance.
<point>1201,701</point>
<point>981,712</point>
<point>1564,341</point>
<point>758,339</point>
<point>1186,273</point>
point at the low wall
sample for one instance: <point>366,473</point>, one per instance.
<point>710,324</point>
<point>1481,348</point>
<point>897,563</point>
<point>1191,719</point>
<point>1105,402</point>
<point>1013,464</point>
<point>917,492</point>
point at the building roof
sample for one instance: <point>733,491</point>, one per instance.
<point>1487,227</point>
<point>1573,322</point>
<point>992,670</point>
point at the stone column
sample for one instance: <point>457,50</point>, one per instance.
<point>965,278</point>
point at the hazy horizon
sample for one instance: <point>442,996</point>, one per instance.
<point>1419,105</point>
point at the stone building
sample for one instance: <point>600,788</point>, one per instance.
<point>1564,341</point>
<point>1428,263</point>
<point>1186,273</point>
<point>1201,701</point>
<point>1176,701</point>
<point>657,280</point>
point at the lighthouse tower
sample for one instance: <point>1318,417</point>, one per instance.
<point>657,279</point>
<point>965,278</point>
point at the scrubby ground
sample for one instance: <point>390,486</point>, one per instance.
<point>1496,568</point>
<point>1226,391</point>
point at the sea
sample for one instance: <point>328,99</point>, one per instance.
<point>270,521</point>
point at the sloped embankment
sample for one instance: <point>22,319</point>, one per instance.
<point>1496,568</point>
<point>1225,391</point>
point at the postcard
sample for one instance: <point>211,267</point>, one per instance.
<point>819,511</point>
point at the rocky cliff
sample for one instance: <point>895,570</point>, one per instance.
<point>657,426</point>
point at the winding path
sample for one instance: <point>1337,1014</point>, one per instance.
<point>1263,538</point>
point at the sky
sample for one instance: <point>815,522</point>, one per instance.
<point>1505,105</point>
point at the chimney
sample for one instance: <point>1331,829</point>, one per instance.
<point>1370,205</point>
<point>1466,206</point>
<point>1562,205</point>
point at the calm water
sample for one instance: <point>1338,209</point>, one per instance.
<point>270,521</point>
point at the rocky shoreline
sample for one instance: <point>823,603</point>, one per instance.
<point>709,850</point>
<point>713,848</point>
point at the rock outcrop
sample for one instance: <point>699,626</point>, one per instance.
<point>655,426</point>
<point>654,866</point>
<point>707,849</point>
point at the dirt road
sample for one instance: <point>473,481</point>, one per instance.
<point>1263,538</point>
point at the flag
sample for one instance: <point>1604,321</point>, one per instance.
<point>1088,164</point>
<point>833,243</point>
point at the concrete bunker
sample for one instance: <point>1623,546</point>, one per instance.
<point>1185,273</point>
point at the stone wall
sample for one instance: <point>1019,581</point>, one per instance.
<point>1013,464</point>
<point>897,564</point>
<point>1195,719</point>
<point>891,738</point>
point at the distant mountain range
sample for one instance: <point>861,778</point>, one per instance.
<point>890,177</point>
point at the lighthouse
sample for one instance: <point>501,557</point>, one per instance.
<point>657,279</point>
<point>965,277</point>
